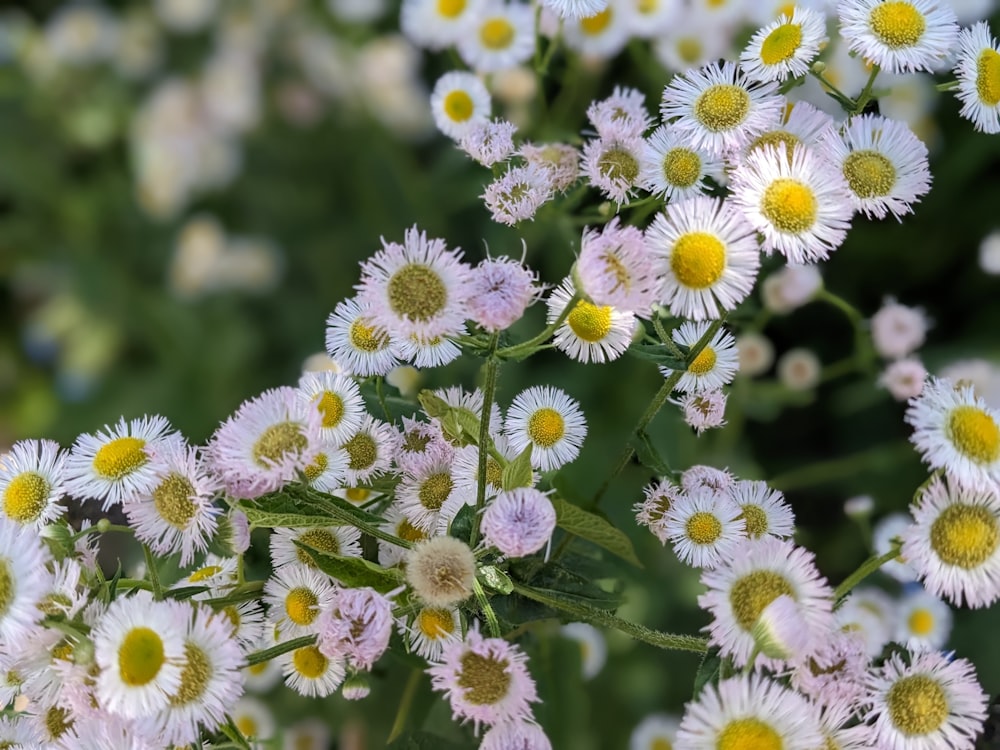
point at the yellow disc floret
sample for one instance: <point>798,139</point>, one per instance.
<point>301,606</point>
<point>595,24</point>
<point>703,528</point>
<point>781,44</point>
<point>590,322</point>
<point>496,33</point>
<point>417,292</point>
<point>277,441</point>
<point>698,259</point>
<point>789,205</point>
<point>965,535</point>
<point>681,167</point>
<point>309,662</point>
<point>704,362</point>
<point>140,656</point>
<point>917,705</point>
<point>753,592</point>
<point>450,8</point>
<point>722,106</point>
<point>974,433</point>
<point>435,622</point>
<point>869,174</point>
<point>458,105</point>
<point>546,427</point>
<point>988,77</point>
<point>367,338</point>
<point>172,498</point>
<point>484,680</point>
<point>897,24</point>
<point>748,734</point>
<point>120,457</point>
<point>26,496</point>
<point>921,622</point>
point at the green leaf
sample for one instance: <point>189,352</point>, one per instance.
<point>518,472</point>
<point>658,353</point>
<point>647,454</point>
<point>264,520</point>
<point>593,528</point>
<point>708,671</point>
<point>354,571</point>
<point>461,524</point>
<point>456,421</point>
<point>496,579</point>
<point>433,405</point>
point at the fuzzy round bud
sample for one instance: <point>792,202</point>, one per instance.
<point>441,570</point>
<point>859,507</point>
<point>756,353</point>
<point>519,522</point>
<point>799,370</point>
<point>790,288</point>
<point>501,290</point>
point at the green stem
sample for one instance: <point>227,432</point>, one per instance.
<point>868,567</point>
<point>282,648</point>
<point>605,619</point>
<point>948,86</point>
<point>154,576</point>
<point>492,365</point>
<point>492,623</point>
<point>866,93</point>
<point>379,392</point>
<point>864,354</point>
<point>101,529</point>
<point>244,592</point>
<point>527,348</point>
<point>352,519</point>
<point>134,583</point>
<point>844,100</point>
<point>405,704</point>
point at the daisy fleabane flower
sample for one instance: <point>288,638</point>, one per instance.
<point>356,627</point>
<point>704,410</point>
<point>369,450</point>
<point>590,332</point>
<point>953,543</point>
<point>416,288</point>
<point>489,142</point>
<point>519,522</point>
<point>898,330</point>
<point>656,503</point>
<point>715,365</point>
<point>703,528</point>
<point>748,711</point>
<point>978,73</point>
<point>622,112</point>
<point>703,477</point>
<point>670,167</point>
<point>575,8</point>
<point>437,24</point>
<point>359,344</point>
<point>430,629</point>
<point>904,378</point>
<point>486,680</point>
<point>311,673</point>
<point>338,400</point>
<point>516,195</point>
<point>616,268</point>
<point>956,431</point>
<point>931,702</point>
<point>500,290</point>
<point>900,36</point>
<point>786,47</point>
<point>342,541</point>
<point>559,161</point>
<point>764,510</point>
<point>611,162</point>
<point>24,580</point>
<point>924,622</point>
<point>296,595</point>
<point>31,482</point>
<point>833,673</point>
<point>801,207</point>
<point>501,37</point>
<point>548,420</point>
<point>718,109</point>
<point>459,102</point>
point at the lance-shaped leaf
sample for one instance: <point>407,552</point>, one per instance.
<point>593,528</point>
<point>354,571</point>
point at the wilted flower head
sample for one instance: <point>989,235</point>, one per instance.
<point>518,522</point>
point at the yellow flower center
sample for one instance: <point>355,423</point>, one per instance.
<point>698,259</point>
<point>277,441</point>
<point>434,490</point>
<point>756,520</point>
<point>140,656</point>
<point>921,622</point>
<point>309,662</point>
<point>247,725</point>
<point>704,362</point>
<point>195,676</point>
<point>648,6</point>
<point>451,8</point>
<point>120,457</point>
<point>748,734</point>
<point>988,77</point>
<point>315,470</point>
<point>203,573</point>
<point>7,589</point>
<point>965,535</point>
<point>331,406</point>
<point>362,451</point>
<point>917,705</point>
<point>753,592</point>
<point>494,474</point>
<point>321,539</point>
<point>869,174</point>
<point>546,427</point>
<point>409,532</point>
<point>781,44</point>
<point>722,106</point>
<point>594,25</point>
<point>689,49</point>
<point>367,338</point>
<point>681,167</point>
<point>974,433</point>
<point>617,163</point>
<point>357,495</point>
<point>776,138</point>
<point>26,496</point>
<point>497,33</point>
<point>589,322</point>
<point>458,105</point>
<point>417,292</point>
<point>172,498</point>
<point>301,606</point>
<point>57,721</point>
<point>483,679</point>
<point>435,623</point>
<point>897,24</point>
<point>789,205</point>
<point>703,528</point>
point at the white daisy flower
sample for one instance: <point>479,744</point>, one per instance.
<point>622,112</point>
<point>714,367</point>
<point>515,734</point>
<point>764,510</point>
<point>898,330</point>
<point>756,353</point>
<point>704,410</point>
<point>19,731</point>
<point>611,163</point>
<point>884,163</point>
<point>343,541</point>
<point>575,8</point>
<point>338,400</point>
<point>24,580</point>
<point>550,422</point>
<point>295,596</point>
<point>502,37</point>
<point>834,673</point>
<point>309,672</point>
<point>670,167</point>
<point>489,143</point>
<point>599,35</point>
<point>900,36</point>
<point>954,543</point>
<point>254,720</point>
<point>370,450</point>
<point>871,614</point>
<point>904,378</point>
<point>516,195</point>
<point>719,12</point>
<point>31,483</point>
<point>590,333</point>
<point>652,511</point>
<point>437,24</point>
<point>655,732</point>
<point>749,711</point>
<point>426,488</point>
<point>424,352</point>
<point>119,462</point>
<point>651,19</point>
<point>312,733</point>
<point>459,101</point>
<point>759,571</point>
<point>924,622</point>
<point>519,522</point>
<point>932,702</point>
<point>790,288</point>
<point>710,254</point>
<point>786,47</point>
<point>703,477</point>
<point>389,554</point>
<point>801,207</point>
<point>430,629</point>
<point>139,646</point>
<point>956,431</point>
<point>357,342</point>
<point>692,42</point>
<point>802,124</point>
<point>717,108</point>
<point>978,73</point>
<point>417,288</point>
<point>887,529</point>
<point>704,528</point>
<point>328,469</point>
<point>799,369</point>
<point>593,647</point>
<point>560,161</point>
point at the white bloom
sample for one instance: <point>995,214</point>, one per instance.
<point>714,367</point>
<point>786,47</point>
<point>978,73</point>
<point>459,101</point>
<point>550,422</point>
<point>899,35</point>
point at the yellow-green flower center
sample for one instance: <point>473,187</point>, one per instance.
<point>497,33</point>
<point>7,586</point>
<point>362,450</point>
<point>450,8</point>
<point>301,606</point>
<point>748,734</point>
<point>618,164</point>
<point>172,498</point>
<point>195,676</point>
<point>26,496</point>
<point>917,705</point>
<point>321,539</point>
<point>434,490</point>
<point>781,44</point>
<point>590,322</point>
<point>309,662</point>
<point>458,105</point>
<point>483,679</point>
<point>681,167</point>
<point>204,573</point>
<point>704,362</point>
<point>897,24</point>
<point>988,77</point>
<point>276,442</point>
<point>776,138</point>
<point>57,721</point>
<point>417,292</point>
<point>120,457</point>
<point>869,174</point>
<point>597,23</point>
<point>546,427</point>
<point>366,338</point>
<point>661,743</point>
<point>435,623</point>
<point>789,205</point>
<point>331,406</point>
<point>409,532</point>
<point>698,259</point>
<point>721,107</point>
<point>755,519</point>
<point>494,474</point>
<point>753,592</point>
<point>689,49</point>
<point>315,470</point>
<point>140,656</point>
<point>974,433</point>
<point>703,528</point>
<point>965,535</point>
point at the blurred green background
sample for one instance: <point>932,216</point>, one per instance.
<point>105,316</point>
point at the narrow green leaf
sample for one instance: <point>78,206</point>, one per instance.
<point>264,520</point>
<point>354,571</point>
<point>593,528</point>
<point>658,353</point>
<point>433,405</point>
<point>647,454</point>
<point>518,472</point>
<point>708,671</point>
